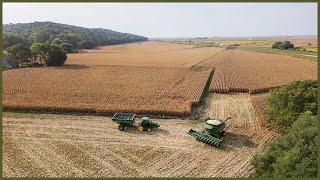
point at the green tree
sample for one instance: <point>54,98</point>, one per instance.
<point>10,40</point>
<point>17,54</point>
<point>86,45</point>
<point>42,32</point>
<point>67,47</point>
<point>292,155</point>
<point>40,36</point>
<point>56,41</point>
<point>277,45</point>
<point>287,45</point>
<point>283,45</point>
<point>56,56</point>
<point>40,51</point>
<point>285,104</point>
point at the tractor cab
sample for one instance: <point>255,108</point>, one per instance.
<point>146,124</point>
<point>145,119</point>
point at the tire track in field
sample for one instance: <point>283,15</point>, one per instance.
<point>207,58</point>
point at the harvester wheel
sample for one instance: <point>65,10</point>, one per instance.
<point>140,128</point>
<point>223,133</point>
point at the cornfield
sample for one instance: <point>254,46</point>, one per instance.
<point>104,89</point>
<point>251,72</point>
<point>144,54</point>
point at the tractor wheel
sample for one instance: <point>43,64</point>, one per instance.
<point>121,127</point>
<point>149,129</point>
<point>125,128</point>
<point>140,128</point>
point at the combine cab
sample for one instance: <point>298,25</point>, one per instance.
<point>212,133</point>
<point>126,120</point>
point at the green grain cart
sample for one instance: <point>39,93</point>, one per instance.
<point>212,133</point>
<point>126,120</point>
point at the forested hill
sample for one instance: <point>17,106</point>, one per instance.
<point>78,37</point>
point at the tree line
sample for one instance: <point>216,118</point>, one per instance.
<point>38,54</point>
<point>293,110</point>
<point>285,45</point>
<point>46,43</point>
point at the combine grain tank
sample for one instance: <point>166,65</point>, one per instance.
<point>212,133</point>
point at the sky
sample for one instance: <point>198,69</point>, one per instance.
<point>175,20</point>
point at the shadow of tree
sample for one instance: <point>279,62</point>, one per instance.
<point>73,66</point>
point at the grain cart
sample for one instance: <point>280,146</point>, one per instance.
<point>212,132</point>
<point>126,120</point>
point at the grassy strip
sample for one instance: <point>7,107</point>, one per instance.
<point>292,53</point>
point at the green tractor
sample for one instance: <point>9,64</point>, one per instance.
<point>212,133</point>
<point>146,124</point>
<point>126,120</point>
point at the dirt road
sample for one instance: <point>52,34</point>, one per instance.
<point>82,146</point>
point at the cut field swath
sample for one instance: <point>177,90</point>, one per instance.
<point>92,146</point>
<point>259,103</point>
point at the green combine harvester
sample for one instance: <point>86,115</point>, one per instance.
<point>212,133</point>
<point>126,120</point>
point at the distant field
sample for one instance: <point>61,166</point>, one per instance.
<point>304,42</point>
<point>262,45</point>
<point>104,89</point>
<point>225,42</point>
<point>149,53</point>
<point>309,54</point>
<point>262,42</point>
<point>245,71</point>
<point>259,43</point>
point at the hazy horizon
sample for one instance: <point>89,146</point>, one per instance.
<point>175,20</point>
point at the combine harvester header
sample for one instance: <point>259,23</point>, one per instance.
<point>212,133</point>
